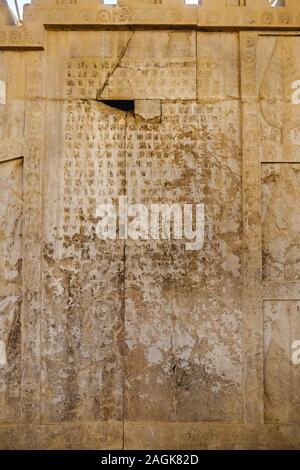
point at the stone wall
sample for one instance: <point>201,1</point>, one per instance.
<point>140,343</point>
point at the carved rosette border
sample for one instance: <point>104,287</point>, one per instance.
<point>242,17</point>
<point>161,14</point>
<point>27,37</point>
<point>156,14</point>
<point>14,37</point>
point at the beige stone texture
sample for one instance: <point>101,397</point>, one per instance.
<point>142,344</point>
<point>281,221</point>
<point>11,187</point>
<point>148,109</point>
<point>282,377</point>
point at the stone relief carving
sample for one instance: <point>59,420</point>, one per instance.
<point>185,332</point>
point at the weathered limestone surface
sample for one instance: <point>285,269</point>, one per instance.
<point>281,221</point>
<point>142,344</point>
<point>282,328</point>
<point>178,320</point>
<point>280,129</point>
<point>11,288</point>
<point>82,328</point>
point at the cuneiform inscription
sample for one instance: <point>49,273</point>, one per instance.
<point>94,161</point>
<point>86,75</point>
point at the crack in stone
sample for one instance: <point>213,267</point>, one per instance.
<point>110,74</point>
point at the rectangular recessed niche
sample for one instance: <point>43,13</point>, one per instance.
<point>281,221</point>
<point>123,105</point>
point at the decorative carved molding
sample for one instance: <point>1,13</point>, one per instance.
<point>76,13</point>
<point>161,15</point>
<point>20,37</point>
